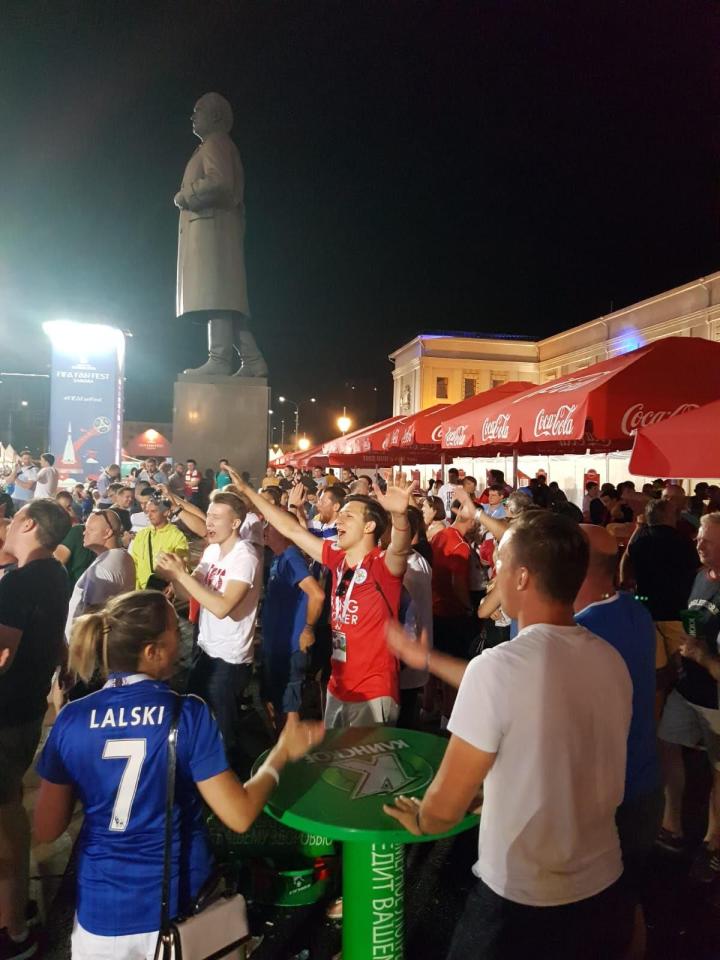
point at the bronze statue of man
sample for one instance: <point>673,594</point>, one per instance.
<point>211,281</point>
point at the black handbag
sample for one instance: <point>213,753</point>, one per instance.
<point>154,581</point>
<point>217,926</point>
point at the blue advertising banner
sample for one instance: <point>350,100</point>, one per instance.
<point>86,396</point>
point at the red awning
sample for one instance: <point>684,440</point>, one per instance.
<point>683,446</point>
<point>403,434</point>
<point>358,441</point>
<point>427,428</point>
<point>598,408</point>
<point>314,457</point>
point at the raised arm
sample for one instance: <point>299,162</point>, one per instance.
<point>396,500</point>
<point>280,519</point>
<point>193,517</point>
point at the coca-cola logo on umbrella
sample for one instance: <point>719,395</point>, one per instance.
<point>457,436</point>
<point>555,423</point>
<point>436,435</point>
<point>497,429</point>
<point>637,416</point>
<point>407,437</point>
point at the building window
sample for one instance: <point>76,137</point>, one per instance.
<point>498,379</point>
<point>441,388</point>
<point>469,386</point>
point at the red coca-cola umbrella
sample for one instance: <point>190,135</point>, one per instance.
<point>358,441</point>
<point>427,429</point>
<point>403,434</point>
<point>682,446</point>
<point>365,448</point>
<point>598,408</point>
<point>313,457</point>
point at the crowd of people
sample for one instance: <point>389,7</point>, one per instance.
<point>557,644</point>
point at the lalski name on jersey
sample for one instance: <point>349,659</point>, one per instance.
<point>132,717</point>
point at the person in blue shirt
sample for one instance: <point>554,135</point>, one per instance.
<point>627,625</point>
<point>293,602</point>
<point>109,750</point>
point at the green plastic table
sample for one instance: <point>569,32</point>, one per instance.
<point>338,791</point>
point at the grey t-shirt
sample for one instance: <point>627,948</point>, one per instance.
<point>113,572</point>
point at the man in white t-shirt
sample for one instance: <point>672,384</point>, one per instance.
<point>112,573</point>
<point>543,722</point>
<point>47,478</point>
<point>448,491</point>
<point>24,477</point>
<point>226,584</point>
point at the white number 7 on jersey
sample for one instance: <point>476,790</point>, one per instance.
<point>134,752</point>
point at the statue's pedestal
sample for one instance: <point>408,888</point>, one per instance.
<point>222,417</point>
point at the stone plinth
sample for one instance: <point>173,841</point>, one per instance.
<point>216,417</point>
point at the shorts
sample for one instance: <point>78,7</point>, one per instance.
<point>689,725</point>
<point>132,946</point>
<point>362,713</point>
<point>17,752</point>
<point>282,681</point>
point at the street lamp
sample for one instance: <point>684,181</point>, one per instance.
<point>303,444</point>
<point>297,405</point>
<point>344,422</point>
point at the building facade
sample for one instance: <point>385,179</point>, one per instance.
<point>446,367</point>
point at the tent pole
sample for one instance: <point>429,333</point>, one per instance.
<point>514,467</point>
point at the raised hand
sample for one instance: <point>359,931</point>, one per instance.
<point>396,498</point>
<point>467,507</point>
<point>414,653</point>
<point>236,478</point>
<point>297,495</point>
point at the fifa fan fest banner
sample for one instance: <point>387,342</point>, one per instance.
<point>86,396</point>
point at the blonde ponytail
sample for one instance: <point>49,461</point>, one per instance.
<point>87,638</point>
<point>114,638</point>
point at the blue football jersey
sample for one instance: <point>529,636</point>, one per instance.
<point>112,746</point>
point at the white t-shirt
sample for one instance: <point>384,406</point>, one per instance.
<point>554,704</point>
<point>111,573</point>
<point>231,638</point>
<point>252,530</point>
<point>139,521</point>
<point>47,483</point>
<point>447,494</point>
<point>27,475</point>
<point>418,583</point>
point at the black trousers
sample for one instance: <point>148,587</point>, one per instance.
<point>493,928</point>
<point>222,685</point>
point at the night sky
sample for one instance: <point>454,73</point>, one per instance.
<point>499,166</point>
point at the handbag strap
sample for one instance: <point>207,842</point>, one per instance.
<point>169,800</point>
<point>150,551</point>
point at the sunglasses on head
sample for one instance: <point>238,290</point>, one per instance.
<point>106,515</point>
<point>342,587</point>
